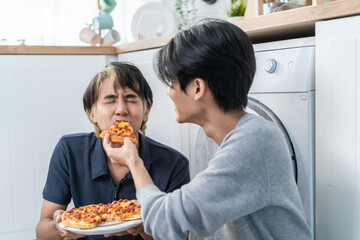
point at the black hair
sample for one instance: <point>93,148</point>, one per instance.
<point>124,75</point>
<point>218,52</point>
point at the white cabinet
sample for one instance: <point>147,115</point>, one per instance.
<point>162,125</point>
<point>40,100</point>
<point>338,129</point>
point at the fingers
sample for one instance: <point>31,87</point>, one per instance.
<point>116,234</point>
<point>107,144</point>
<point>57,218</point>
<point>57,215</point>
<point>107,139</point>
<point>136,230</point>
<point>128,141</point>
<point>64,233</point>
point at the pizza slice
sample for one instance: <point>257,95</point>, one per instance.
<point>80,218</point>
<point>123,210</point>
<point>119,131</point>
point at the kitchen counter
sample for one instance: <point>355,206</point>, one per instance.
<point>288,24</point>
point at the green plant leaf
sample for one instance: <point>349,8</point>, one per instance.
<point>237,8</point>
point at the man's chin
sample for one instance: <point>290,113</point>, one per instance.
<point>179,120</point>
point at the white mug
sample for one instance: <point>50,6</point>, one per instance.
<point>111,37</point>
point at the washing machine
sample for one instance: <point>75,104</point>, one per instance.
<point>283,91</point>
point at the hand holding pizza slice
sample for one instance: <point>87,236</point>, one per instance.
<point>119,131</point>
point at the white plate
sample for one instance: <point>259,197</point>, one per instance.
<point>106,228</point>
<point>153,19</point>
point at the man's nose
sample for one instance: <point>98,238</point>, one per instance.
<point>121,108</point>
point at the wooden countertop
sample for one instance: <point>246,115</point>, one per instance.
<point>288,24</point>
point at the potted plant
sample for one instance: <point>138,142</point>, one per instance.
<point>186,13</point>
<point>237,10</point>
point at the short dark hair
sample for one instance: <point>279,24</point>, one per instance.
<point>123,75</point>
<point>218,52</point>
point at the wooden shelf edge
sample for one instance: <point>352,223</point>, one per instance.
<point>144,44</point>
<point>57,50</point>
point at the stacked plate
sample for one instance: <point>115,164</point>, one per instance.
<point>153,20</point>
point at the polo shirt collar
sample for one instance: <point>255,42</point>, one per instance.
<point>98,159</point>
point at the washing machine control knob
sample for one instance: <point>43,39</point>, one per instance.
<point>270,65</point>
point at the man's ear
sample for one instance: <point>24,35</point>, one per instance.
<point>199,88</point>
<point>146,112</point>
<point>92,116</point>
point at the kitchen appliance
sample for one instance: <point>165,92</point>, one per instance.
<point>282,92</point>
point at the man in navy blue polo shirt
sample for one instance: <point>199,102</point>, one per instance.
<point>81,170</point>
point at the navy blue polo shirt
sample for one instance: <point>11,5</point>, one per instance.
<point>78,170</point>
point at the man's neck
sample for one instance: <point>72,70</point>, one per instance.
<point>219,125</point>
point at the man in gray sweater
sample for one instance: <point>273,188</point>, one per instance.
<point>248,190</point>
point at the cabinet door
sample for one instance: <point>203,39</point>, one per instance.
<point>40,100</point>
<point>338,129</point>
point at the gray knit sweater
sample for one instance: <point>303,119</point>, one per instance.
<point>248,191</point>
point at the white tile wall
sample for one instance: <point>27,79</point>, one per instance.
<point>40,100</point>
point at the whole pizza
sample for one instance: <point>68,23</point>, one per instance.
<point>90,216</point>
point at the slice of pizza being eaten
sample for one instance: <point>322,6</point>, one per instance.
<point>119,131</point>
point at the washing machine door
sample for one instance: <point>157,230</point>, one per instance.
<point>256,107</point>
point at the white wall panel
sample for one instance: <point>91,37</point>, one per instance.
<point>43,115</point>
<point>40,100</point>
<point>22,145</point>
<point>6,174</point>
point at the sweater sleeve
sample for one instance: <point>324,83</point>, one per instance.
<point>233,185</point>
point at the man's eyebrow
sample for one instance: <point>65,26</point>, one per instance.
<point>130,95</point>
<point>110,96</point>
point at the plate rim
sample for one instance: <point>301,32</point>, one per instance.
<point>145,7</point>
<point>102,229</point>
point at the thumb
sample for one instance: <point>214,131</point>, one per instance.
<point>127,141</point>
<point>107,138</point>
